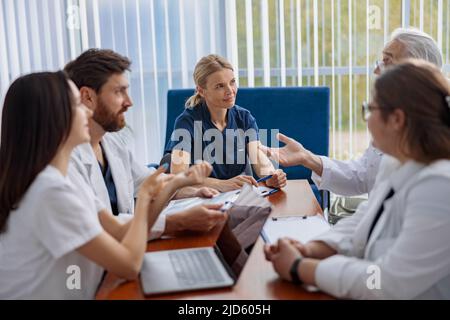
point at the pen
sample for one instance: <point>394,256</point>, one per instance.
<point>268,193</point>
<point>289,217</point>
<point>265,178</point>
<point>227,205</point>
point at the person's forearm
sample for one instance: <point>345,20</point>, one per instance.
<point>160,202</point>
<point>313,162</point>
<point>319,250</point>
<point>113,225</point>
<point>186,192</point>
<point>263,168</point>
<point>174,224</point>
<point>260,162</point>
<point>153,211</point>
<point>135,237</point>
<point>214,183</point>
<point>180,162</point>
<point>146,213</point>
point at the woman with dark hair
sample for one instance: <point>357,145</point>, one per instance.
<point>55,237</point>
<point>398,246</point>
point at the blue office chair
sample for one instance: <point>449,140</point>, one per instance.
<point>301,113</point>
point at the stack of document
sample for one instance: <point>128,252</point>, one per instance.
<point>175,206</point>
<point>300,228</point>
<point>245,196</point>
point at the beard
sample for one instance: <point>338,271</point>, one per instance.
<point>109,121</point>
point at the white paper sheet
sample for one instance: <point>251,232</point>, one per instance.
<point>299,228</point>
<point>175,206</point>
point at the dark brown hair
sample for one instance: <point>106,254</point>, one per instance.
<point>94,66</point>
<point>36,120</point>
<point>419,89</point>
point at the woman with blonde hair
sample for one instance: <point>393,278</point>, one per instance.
<point>216,130</point>
<point>398,246</point>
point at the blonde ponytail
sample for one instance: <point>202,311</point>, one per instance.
<point>194,100</point>
<point>204,68</point>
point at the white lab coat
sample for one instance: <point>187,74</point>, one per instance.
<point>410,243</point>
<point>127,175</point>
<point>349,178</point>
<point>54,218</point>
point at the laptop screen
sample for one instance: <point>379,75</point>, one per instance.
<point>240,234</point>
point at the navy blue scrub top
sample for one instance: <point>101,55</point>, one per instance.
<point>110,185</point>
<point>233,160</point>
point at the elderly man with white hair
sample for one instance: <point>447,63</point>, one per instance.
<point>356,177</point>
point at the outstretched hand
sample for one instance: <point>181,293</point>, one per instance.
<point>292,154</point>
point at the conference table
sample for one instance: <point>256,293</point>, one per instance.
<point>257,280</point>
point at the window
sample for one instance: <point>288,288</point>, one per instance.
<point>331,43</point>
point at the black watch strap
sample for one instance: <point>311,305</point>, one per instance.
<point>294,271</point>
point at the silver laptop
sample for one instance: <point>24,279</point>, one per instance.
<point>183,270</point>
<point>209,267</point>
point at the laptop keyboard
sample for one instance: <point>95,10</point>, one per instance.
<point>195,267</point>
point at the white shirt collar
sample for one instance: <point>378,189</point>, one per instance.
<point>400,177</point>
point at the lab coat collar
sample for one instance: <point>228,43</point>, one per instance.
<point>87,157</point>
<point>119,175</point>
<point>398,180</point>
<point>404,173</point>
<point>375,150</point>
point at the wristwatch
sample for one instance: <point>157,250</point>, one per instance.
<point>294,271</point>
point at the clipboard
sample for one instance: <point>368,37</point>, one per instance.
<point>300,228</point>
<point>226,198</point>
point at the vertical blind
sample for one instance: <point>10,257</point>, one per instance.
<point>270,42</point>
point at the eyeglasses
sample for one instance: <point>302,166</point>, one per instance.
<point>366,110</point>
<point>380,65</point>
<point>383,64</point>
